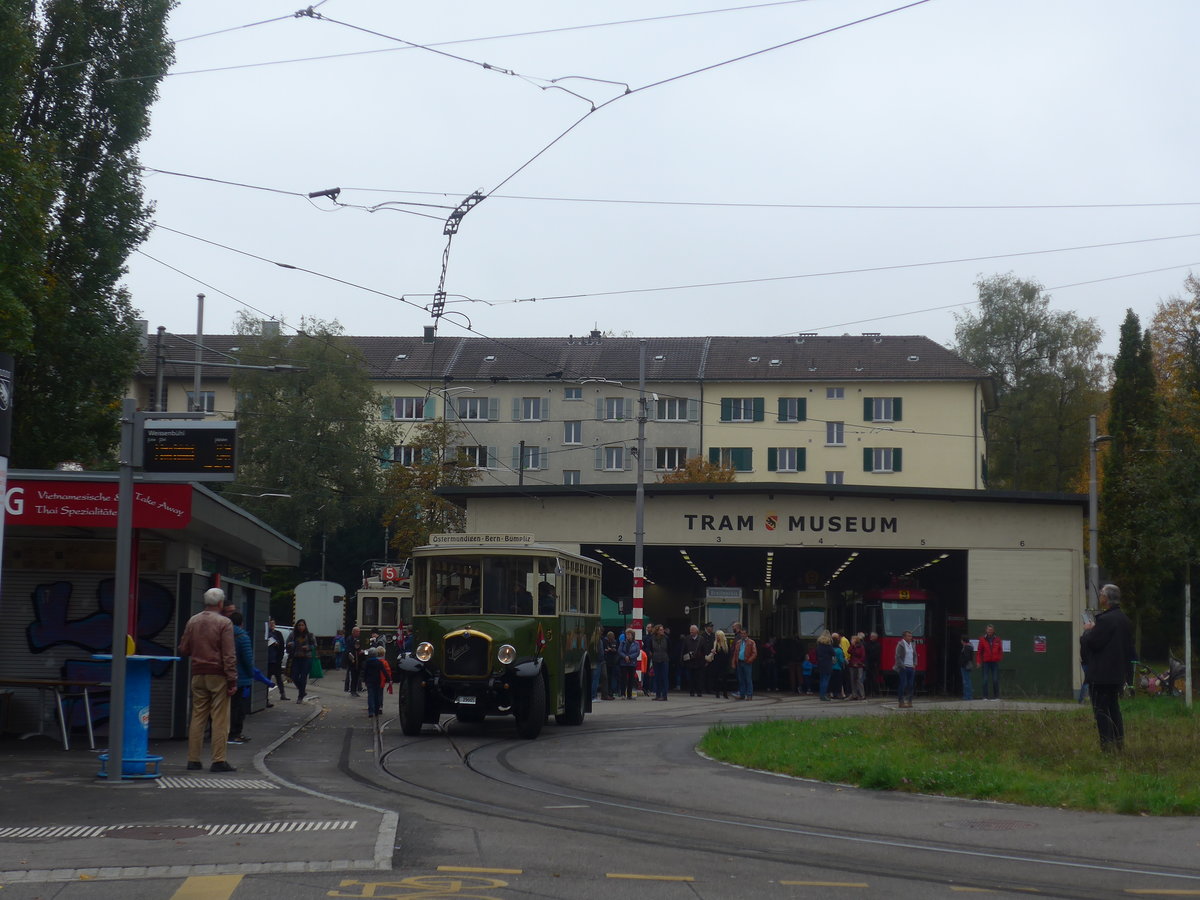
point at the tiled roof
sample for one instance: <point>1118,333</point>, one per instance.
<point>471,359</point>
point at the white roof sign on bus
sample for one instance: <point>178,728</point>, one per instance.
<point>481,540</point>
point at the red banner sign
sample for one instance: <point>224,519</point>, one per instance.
<point>93,504</point>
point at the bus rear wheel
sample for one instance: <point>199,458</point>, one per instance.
<point>572,714</point>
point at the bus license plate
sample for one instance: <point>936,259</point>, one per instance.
<point>466,700</point>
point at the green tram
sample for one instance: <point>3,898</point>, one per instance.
<point>502,626</point>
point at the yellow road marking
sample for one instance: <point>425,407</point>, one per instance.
<point>1163,892</point>
<point>632,877</point>
<point>971,890</point>
<point>479,871</point>
<point>858,884</point>
<point>207,887</point>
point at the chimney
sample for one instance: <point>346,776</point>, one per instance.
<point>270,328</point>
<point>430,333</point>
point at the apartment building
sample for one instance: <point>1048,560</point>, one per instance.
<point>872,409</point>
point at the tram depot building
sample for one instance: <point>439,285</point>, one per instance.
<point>860,463</point>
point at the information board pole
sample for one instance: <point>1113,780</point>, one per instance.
<point>120,613</point>
<point>130,456</point>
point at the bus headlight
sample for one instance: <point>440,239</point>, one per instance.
<point>506,654</point>
<point>424,651</point>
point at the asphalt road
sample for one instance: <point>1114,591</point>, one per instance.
<point>620,807</point>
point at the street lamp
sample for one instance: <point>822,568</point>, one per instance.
<point>1094,440</point>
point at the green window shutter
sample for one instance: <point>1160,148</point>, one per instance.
<point>868,459</point>
<point>693,410</point>
<point>428,455</point>
<point>544,408</point>
<point>599,458</point>
<point>783,409</point>
<point>627,458</point>
<point>387,409</point>
<point>714,455</point>
<point>516,409</point>
<point>747,459</point>
<point>802,409</point>
<point>516,458</point>
<point>726,409</point>
<point>801,459</point>
<point>896,409</point>
<point>896,459</point>
<point>430,408</point>
<point>493,458</point>
<point>759,409</point>
<point>868,409</point>
<point>493,409</point>
<point>772,459</point>
<point>692,451</point>
<point>600,409</point>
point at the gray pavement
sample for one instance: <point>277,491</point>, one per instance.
<point>60,822</point>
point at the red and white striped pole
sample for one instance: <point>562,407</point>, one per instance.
<point>639,581</point>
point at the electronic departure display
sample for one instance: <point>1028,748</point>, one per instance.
<point>197,449</point>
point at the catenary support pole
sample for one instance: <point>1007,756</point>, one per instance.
<point>639,525</point>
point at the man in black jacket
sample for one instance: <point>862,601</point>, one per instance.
<point>1107,646</point>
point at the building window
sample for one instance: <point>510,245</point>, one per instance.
<point>671,409</point>
<point>573,432</point>
<point>476,409</point>
<point>614,459</point>
<point>573,393</point>
<point>741,409</point>
<point>667,459</point>
<point>835,434</point>
<point>410,408</point>
<point>881,459</point>
<point>406,456</point>
<point>571,476</point>
<point>740,458</point>
<point>533,459</point>
<point>835,394</point>
<point>881,409</point>
<point>614,409</point>
<point>793,409</point>
<point>532,409</point>
<point>476,457</point>
<point>208,402</point>
<point>786,459</point>
<point>835,477</point>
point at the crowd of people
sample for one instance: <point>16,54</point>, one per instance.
<point>707,661</point>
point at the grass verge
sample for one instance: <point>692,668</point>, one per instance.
<point>1036,758</point>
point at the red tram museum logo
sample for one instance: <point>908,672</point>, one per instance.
<point>806,524</point>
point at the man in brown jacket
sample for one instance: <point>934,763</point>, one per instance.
<point>208,640</point>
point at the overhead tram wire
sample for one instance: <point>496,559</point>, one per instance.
<point>450,43</point>
<point>857,271</point>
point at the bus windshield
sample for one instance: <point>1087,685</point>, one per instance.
<point>487,585</point>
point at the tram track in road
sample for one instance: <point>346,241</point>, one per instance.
<point>503,785</point>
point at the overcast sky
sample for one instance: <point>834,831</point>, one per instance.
<point>809,160</point>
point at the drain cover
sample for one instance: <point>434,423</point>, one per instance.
<point>157,832</point>
<point>990,825</point>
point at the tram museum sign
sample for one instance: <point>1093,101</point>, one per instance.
<point>809,524</point>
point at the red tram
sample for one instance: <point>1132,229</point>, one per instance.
<point>903,606</point>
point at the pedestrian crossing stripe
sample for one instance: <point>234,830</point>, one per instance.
<point>43,832</point>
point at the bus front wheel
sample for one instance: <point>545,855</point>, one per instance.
<point>412,706</point>
<point>531,713</point>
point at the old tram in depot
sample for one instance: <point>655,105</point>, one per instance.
<point>503,626</point>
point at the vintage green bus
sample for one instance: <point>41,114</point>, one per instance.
<point>503,626</point>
